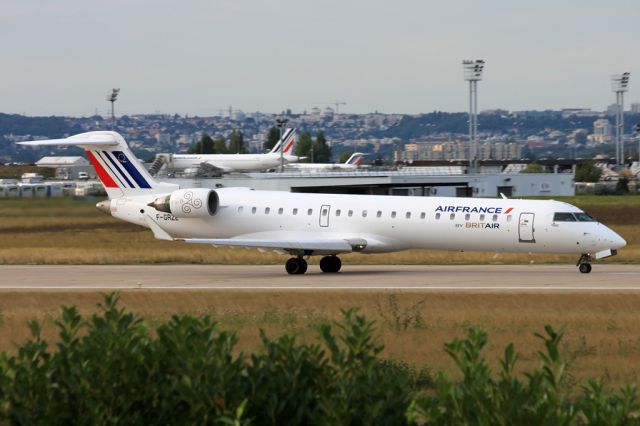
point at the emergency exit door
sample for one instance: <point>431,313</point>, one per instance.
<point>324,215</point>
<point>525,228</point>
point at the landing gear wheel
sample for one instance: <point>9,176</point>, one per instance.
<point>330,264</point>
<point>584,263</point>
<point>585,268</point>
<point>296,265</point>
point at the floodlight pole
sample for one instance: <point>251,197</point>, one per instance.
<point>619,85</point>
<point>636,130</point>
<point>280,123</point>
<point>112,98</point>
<point>472,71</point>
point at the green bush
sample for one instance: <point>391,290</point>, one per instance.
<point>111,369</point>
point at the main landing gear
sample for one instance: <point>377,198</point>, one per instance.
<point>330,264</point>
<point>297,265</point>
<point>584,264</point>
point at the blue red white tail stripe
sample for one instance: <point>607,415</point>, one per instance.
<point>115,170</point>
<point>131,169</point>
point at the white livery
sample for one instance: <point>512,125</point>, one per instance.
<point>329,224</point>
<point>241,162</point>
<point>352,163</point>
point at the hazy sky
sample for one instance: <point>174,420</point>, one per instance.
<point>402,56</point>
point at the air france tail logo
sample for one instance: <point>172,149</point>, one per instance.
<point>469,209</point>
<point>115,170</point>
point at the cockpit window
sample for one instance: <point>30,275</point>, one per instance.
<point>583,217</point>
<point>564,217</point>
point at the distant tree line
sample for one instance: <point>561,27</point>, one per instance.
<point>208,145</point>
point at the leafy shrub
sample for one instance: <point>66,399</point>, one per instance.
<point>111,369</point>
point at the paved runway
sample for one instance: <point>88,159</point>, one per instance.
<point>491,278</point>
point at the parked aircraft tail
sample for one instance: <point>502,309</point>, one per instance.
<point>288,140</point>
<point>119,170</point>
<point>355,159</point>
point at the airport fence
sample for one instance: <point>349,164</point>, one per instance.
<point>111,368</point>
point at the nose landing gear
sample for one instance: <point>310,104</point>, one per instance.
<point>584,264</point>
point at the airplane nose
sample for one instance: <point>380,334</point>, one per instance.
<point>616,240</point>
<point>619,242</point>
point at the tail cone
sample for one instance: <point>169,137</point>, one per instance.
<point>104,207</point>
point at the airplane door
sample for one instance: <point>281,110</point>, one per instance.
<point>525,228</point>
<point>324,215</point>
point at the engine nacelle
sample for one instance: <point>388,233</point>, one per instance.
<point>188,203</point>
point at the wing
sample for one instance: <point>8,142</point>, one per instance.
<point>318,246</point>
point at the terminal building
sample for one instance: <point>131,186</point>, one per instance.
<point>436,181</point>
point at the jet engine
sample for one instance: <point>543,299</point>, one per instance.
<point>188,203</point>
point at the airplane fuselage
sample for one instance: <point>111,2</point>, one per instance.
<point>387,223</point>
<point>229,162</point>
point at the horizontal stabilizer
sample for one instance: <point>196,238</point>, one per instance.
<point>102,140</point>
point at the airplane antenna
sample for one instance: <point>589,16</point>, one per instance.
<point>504,197</point>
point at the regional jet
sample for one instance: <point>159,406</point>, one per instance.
<point>240,162</point>
<point>352,163</point>
<point>328,225</point>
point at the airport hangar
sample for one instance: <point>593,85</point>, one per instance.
<point>431,181</point>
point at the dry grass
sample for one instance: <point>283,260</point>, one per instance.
<point>602,338</point>
<point>72,232</point>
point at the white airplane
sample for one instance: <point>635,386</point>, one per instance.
<point>328,224</point>
<point>351,164</point>
<point>240,162</point>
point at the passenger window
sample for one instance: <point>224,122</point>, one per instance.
<point>280,210</point>
<point>481,218</point>
<point>267,210</point>
<point>437,216</point>
<point>495,217</point>
<point>423,215</point>
<point>364,213</point>
<point>254,210</point>
<point>338,212</point>
<point>309,212</point>
<point>379,214</point>
<point>295,212</point>
<point>325,212</point>
<point>564,217</point>
<point>467,216</point>
<point>452,216</point>
<point>350,213</point>
<point>240,209</point>
<point>393,215</point>
<point>408,215</point>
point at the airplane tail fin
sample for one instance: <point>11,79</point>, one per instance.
<point>118,169</point>
<point>355,159</point>
<point>287,141</point>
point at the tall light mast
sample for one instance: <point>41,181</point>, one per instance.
<point>619,85</point>
<point>472,70</point>
<point>112,98</point>
<point>280,123</point>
